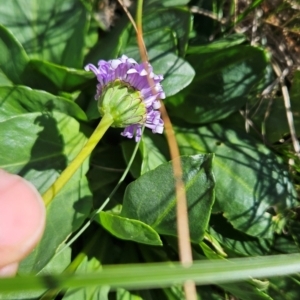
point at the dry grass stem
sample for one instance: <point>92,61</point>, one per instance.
<point>204,12</point>
<point>185,251</point>
<point>288,109</point>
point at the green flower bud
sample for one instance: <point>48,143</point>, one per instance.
<point>123,103</point>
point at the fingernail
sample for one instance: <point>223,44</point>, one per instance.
<point>9,270</point>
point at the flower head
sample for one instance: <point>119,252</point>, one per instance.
<point>124,91</point>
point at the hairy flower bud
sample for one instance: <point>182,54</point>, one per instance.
<point>123,103</point>
<point>125,93</point>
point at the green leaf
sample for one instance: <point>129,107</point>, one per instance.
<point>151,198</point>
<point>37,147</point>
<point>52,31</point>
<point>161,31</point>
<point>59,262</point>
<point>129,229</point>
<point>235,242</point>
<point>4,81</point>
<point>176,71</point>
<point>15,67</point>
<point>88,265</point>
<point>152,157</point>
<point>163,39</point>
<point>13,58</point>
<point>250,178</point>
<point>220,44</point>
<point>225,79</point>
<point>165,3</point>
<point>63,78</point>
<point>167,18</point>
<point>122,294</point>
<point>65,214</point>
<point>18,100</point>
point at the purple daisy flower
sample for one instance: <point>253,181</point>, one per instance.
<point>127,72</point>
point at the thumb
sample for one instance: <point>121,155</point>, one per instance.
<point>22,220</point>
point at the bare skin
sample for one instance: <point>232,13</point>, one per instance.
<point>22,221</point>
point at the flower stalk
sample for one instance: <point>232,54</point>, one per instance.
<point>66,175</point>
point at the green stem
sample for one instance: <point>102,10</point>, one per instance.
<point>73,266</point>
<point>96,212</point>
<point>66,175</point>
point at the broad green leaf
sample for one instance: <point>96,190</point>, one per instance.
<point>161,39</point>
<point>4,81</point>
<point>162,31</point>
<point>163,35</point>
<point>38,147</point>
<point>13,58</point>
<point>15,67</point>
<point>225,80</point>
<point>51,30</point>
<point>65,215</point>
<point>128,229</point>
<point>88,265</point>
<point>151,154</point>
<point>63,78</point>
<point>151,198</point>
<point>234,242</point>
<point>177,72</point>
<point>58,263</point>
<point>18,100</point>
<point>250,178</point>
<point>167,18</point>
